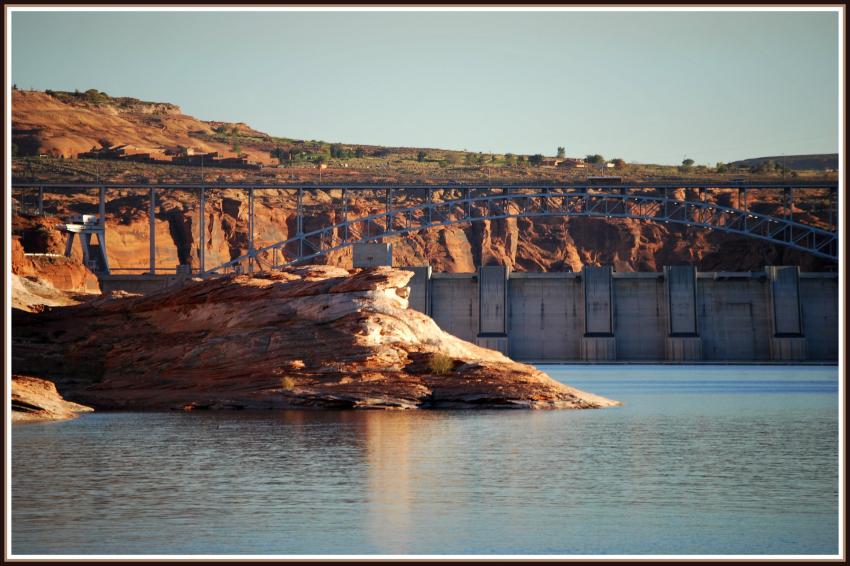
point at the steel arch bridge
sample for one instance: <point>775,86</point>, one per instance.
<point>423,207</point>
<point>646,203</point>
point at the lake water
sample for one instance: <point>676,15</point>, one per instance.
<point>701,459</point>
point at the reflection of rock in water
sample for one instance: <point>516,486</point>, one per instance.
<point>390,507</point>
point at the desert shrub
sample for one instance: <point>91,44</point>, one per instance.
<point>440,364</point>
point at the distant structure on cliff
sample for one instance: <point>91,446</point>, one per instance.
<point>184,156</point>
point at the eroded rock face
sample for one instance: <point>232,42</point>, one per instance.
<point>36,399</point>
<point>46,279</point>
<point>317,336</point>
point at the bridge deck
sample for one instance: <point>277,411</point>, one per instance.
<point>482,185</point>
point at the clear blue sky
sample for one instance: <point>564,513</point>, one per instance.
<point>647,87</point>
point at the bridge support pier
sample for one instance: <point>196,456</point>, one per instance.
<point>598,343</point>
<point>251,231</point>
<point>787,343</point>
<point>420,289</point>
<point>683,340</point>
<point>493,308</point>
<point>202,233</point>
<point>94,255</point>
<point>152,231</point>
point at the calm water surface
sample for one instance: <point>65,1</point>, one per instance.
<point>701,459</point>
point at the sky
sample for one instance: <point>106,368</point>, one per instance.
<point>648,87</point>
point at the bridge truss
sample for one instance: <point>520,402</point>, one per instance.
<point>393,211</point>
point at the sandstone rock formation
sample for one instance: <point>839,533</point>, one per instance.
<point>316,336</point>
<point>36,399</point>
<point>67,128</point>
<point>48,279</point>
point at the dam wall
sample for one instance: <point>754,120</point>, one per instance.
<point>598,315</point>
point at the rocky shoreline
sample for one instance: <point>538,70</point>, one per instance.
<point>309,337</point>
<point>35,400</point>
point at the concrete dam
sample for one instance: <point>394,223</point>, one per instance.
<point>597,315</point>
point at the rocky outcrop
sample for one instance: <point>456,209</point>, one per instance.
<point>32,294</point>
<point>36,399</point>
<point>317,336</point>
<point>47,279</point>
<point>67,126</point>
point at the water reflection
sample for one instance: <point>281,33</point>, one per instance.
<point>388,454</point>
<point>701,465</point>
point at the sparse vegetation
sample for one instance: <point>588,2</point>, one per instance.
<point>234,141</point>
<point>95,97</point>
<point>338,151</point>
<point>440,363</point>
<point>280,154</point>
<point>288,383</point>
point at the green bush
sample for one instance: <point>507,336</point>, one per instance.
<point>441,364</point>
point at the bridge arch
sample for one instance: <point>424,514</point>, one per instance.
<point>605,203</point>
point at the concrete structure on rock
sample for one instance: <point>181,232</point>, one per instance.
<point>372,255</point>
<point>677,316</point>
